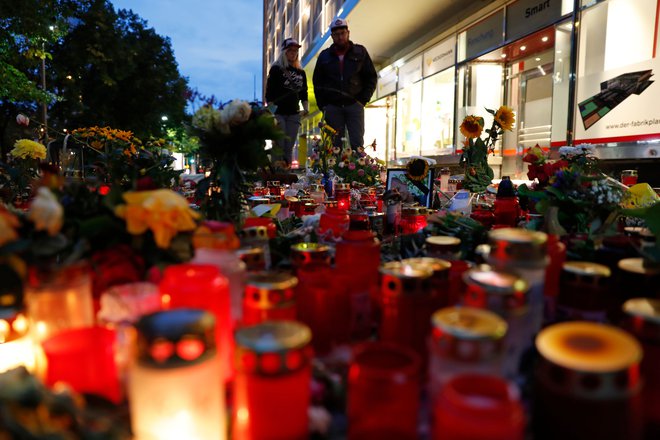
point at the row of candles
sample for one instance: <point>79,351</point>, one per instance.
<point>261,333</point>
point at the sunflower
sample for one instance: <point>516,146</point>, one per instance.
<point>472,126</point>
<point>504,117</point>
<point>417,169</point>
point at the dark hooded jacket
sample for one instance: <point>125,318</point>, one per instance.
<point>356,81</point>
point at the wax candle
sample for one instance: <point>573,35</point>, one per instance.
<point>308,253</point>
<point>202,286</point>
<point>587,383</point>
<point>584,292</point>
<point>269,296</point>
<point>271,392</point>
<point>84,358</point>
<point>176,389</point>
<point>343,195</point>
<point>444,247</point>
<point>474,406</point>
<point>383,392</point>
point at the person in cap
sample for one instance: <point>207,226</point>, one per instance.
<point>344,80</point>
<point>286,89</point>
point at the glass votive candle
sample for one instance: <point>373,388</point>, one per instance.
<point>504,293</point>
<point>272,386</point>
<point>584,292</point>
<point>629,177</point>
<point>634,280</point>
<point>266,222</point>
<point>175,388</point>
<point>343,195</point>
<point>439,279</point>
<point>457,286</point>
<point>383,400</point>
<point>317,193</point>
<point>406,305</point>
<point>642,319</point>
<point>84,358</point>
<point>257,236</point>
<point>376,222</point>
<point>413,219</point>
<point>309,253</point>
<point>121,307</point>
<point>269,296</point>
<point>478,407</point>
<point>445,247</point>
<point>59,299</point>
<point>587,383</point>
<point>202,286</point>
<point>523,252</point>
<point>333,223</point>
<point>16,347</point>
<point>464,339</point>
<point>254,260</point>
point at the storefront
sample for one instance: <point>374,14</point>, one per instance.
<point>591,84</point>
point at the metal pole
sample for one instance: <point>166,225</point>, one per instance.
<point>43,87</point>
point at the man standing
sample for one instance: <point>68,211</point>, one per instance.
<point>344,80</point>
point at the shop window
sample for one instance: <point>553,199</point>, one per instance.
<point>379,127</point>
<point>408,121</point>
<point>437,135</point>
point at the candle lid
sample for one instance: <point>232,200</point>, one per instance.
<point>13,327</point>
<point>309,247</point>
<point>646,308</point>
<point>254,233</point>
<point>436,264</point>
<point>272,280</point>
<point>636,265</point>
<point>343,186</point>
<point>443,240</point>
<point>588,347</point>
<point>515,244</point>
<point>469,323</point>
<point>400,269</point>
<point>586,269</point>
<point>495,281</point>
<point>273,336</point>
<point>175,338</point>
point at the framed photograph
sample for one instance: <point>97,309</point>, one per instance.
<point>411,190</point>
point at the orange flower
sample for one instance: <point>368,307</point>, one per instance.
<point>505,118</point>
<point>163,211</point>
<point>472,126</point>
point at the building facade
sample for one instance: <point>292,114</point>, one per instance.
<point>574,71</point>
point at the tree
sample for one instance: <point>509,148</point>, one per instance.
<point>27,28</point>
<point>112,70</point>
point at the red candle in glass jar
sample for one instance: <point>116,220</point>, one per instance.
<point>406,304</point>
<point>202,286</point>
<point>84,358</point>
<point>413,219</point>
<point>269,296</point>
<point>475,406</point>
<point>323,306</point>
<point>271,391</point>
<point>266,222</point>
<point>629,177</point>
<point>306,253</point>
<point>383,392</point>
<point>334,222</point>
<point>343,195</point>
<point>642,319</point>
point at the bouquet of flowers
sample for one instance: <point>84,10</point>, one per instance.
<point>125,161</point>
<point>478,174</point>
<point>18,175</point>
<point>348,164</point>
<point>587,200</point>
<point>232,138</point>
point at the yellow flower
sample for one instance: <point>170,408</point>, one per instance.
<point>8,224</point>
<point>163,211</point>
<point>505,118</point>
<point>472,126</point>
<point>27,149</point>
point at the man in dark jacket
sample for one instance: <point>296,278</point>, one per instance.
<point>344,80</point>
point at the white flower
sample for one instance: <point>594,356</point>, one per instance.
<point>236,112</point>
<point>21,119</point>
<point>46,212</point>
<point>361,161</point>
<point>347,152</point>
<point>332,162</point>
<point>206,117</point>
<point>341,164</point>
